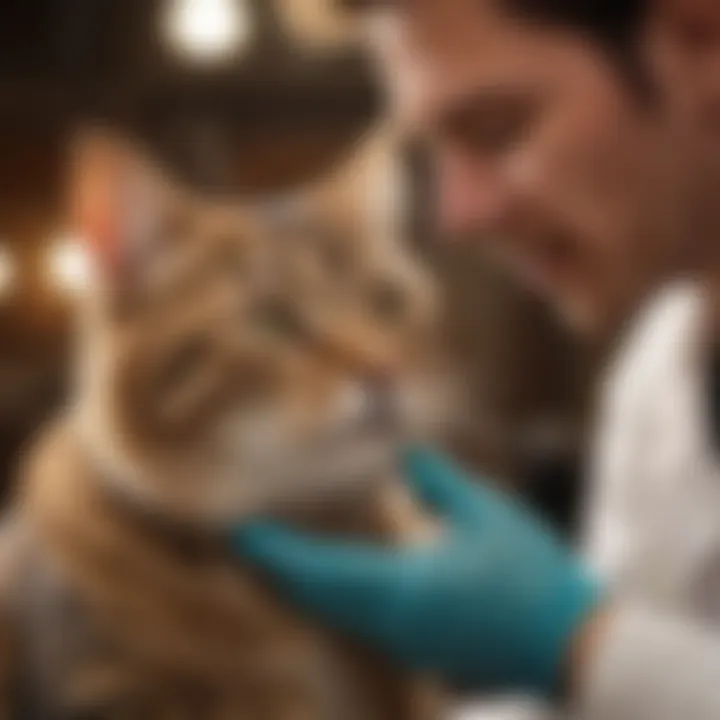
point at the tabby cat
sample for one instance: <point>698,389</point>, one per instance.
<point>232,362</point>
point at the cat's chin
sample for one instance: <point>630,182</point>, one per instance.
<point>216,493</point>
<point>276,485</point>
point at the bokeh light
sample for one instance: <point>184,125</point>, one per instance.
<point>68,264</point>
<point>8,272</point>
<point>208,30</point>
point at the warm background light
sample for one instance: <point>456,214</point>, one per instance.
<point>318,23</point>
<point>68,264</point>
<point>208,30</point>
<point>8,272</point>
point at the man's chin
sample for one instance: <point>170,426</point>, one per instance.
<point>579,315</point>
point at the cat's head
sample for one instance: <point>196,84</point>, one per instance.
<point>234,358</point>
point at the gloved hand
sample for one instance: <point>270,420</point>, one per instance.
<point>494,604</point>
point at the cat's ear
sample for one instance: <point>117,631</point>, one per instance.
<point>282,212</point>
<point>370,186</point>
<point>117,202</point>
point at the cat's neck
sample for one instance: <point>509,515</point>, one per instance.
<point>156,482</point>
<point>65,467</point>
<point>198,608</point>
<point>202,610</point>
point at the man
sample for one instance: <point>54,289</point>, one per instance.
<point>579,139</point>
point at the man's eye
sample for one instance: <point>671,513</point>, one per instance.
<point>494,135</point>
<point>494,128</point>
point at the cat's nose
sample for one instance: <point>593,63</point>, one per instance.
<point>370,401</point>
<point>381,410</point>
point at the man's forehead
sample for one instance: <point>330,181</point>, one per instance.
<point>435,54</point>
<point>439,31</point>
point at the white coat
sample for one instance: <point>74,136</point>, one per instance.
<point>654,527</point>
<point>654,521</point>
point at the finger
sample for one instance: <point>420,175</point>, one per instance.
<point>445,487</point>
<point>346,585</point>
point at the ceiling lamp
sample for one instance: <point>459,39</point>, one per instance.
<point>208,31</point>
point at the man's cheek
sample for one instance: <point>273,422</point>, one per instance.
<point>456,196</point>
<point>472,197</point>
<point>582,302</point>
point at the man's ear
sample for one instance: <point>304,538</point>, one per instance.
<point>695,22</point>
<point>684,41</point>
<point>116,204</point>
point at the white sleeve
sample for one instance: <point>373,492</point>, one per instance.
<point>653,668</point>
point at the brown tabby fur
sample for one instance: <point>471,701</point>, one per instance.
<point>121,600</point>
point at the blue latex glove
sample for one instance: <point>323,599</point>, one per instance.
<point>494,604</point>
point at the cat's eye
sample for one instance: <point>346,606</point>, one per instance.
<point>388,301</point>
<point>184,362</point>
<point>335,255</point>
<point>178,225</point>
<point>231,259</point>
<point>278,316</point>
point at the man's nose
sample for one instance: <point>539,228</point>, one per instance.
<point>473,198</point>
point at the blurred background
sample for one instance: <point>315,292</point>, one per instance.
<point>249,96</point>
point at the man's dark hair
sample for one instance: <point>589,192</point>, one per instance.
<point>615,24</point>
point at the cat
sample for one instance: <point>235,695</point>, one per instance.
<point>234,360</point>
